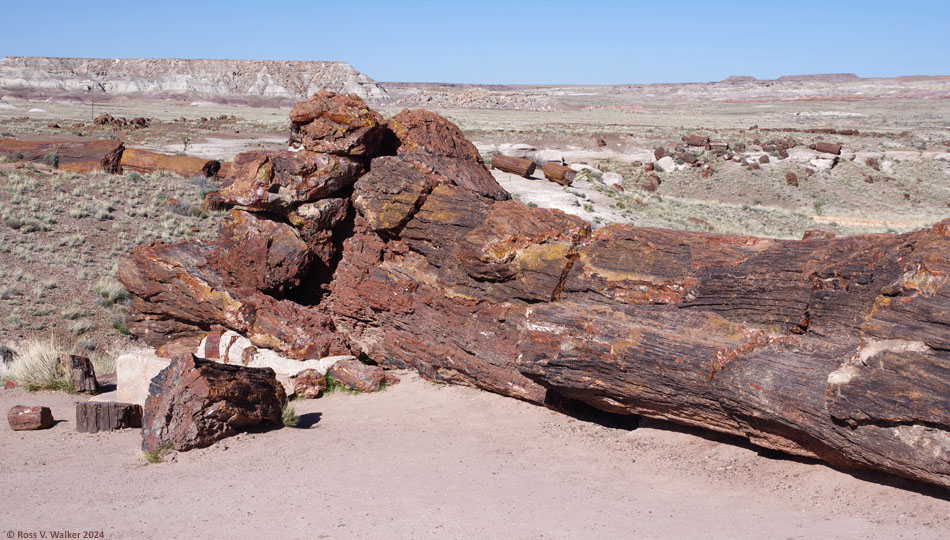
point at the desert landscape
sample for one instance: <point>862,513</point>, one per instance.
<point>263,295</point>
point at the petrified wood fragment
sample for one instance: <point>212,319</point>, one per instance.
<point>80,372</point>
<point>23,418</point>
<point>96,416</point>
<point>193,403</point>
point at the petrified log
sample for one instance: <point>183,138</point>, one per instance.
<point>96,416</point>
<point>828,148</point>
<point>145,162</point>
<point>513,165</point>
<point>100,155</point>
<point>832,348</point>
<point>193,403</point>
<point>23,418</point>
<point>562,174</point>
<point>696,140</point>
<point>79,370</point>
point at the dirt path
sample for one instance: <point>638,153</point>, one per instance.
<point>427,461</point>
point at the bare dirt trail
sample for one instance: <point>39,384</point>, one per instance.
<point>426,461</point>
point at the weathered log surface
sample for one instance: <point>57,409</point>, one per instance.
<point>835,348</point>
<point>96,416</point>
<point>23,418</point>
<point>79,370</point>
<point>557,173</point>
<point>146,162</point>
<point>193,403</point>
<point>100,155</point>
<point>520,166</point>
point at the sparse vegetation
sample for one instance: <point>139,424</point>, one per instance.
<point>289,416</point>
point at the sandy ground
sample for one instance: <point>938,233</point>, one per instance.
<point>421,460</point>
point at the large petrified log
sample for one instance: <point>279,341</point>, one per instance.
<point>100,155</point>
<point>832,348</point>
<point>145,161</point>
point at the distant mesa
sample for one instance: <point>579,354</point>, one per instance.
<point>739,79</point>
<point>168,77</point>
<point>821,77</point>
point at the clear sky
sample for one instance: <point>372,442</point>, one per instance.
<point>493,41</point>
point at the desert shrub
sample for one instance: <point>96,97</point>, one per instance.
<point>52,159</point>
<point>289,416</point>
<point>111,292</point>
<point>36,367</point>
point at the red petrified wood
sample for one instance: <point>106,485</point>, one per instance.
<point>835,348</point>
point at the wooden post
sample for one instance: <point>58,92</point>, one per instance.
<point>513,165</point>
<point>558,173</point>
<point>96,416</point>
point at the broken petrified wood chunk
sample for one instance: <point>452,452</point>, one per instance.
<point>440,145</point>
<point>828,148</point>
<point>262,253</point>
<point>337,124</point>
<point>96,416</point>
<point>309,384</point>
<point>79,370</point>
<point>561,174</point>
<point>23,418</point>
<point>279,181</point>
<point>193,403</point>
<point>357,376</point>
<point>513,165</point>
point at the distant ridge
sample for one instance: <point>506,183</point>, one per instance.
<point>824,77</point>
<point>180,77</point>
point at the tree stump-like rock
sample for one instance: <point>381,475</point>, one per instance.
<point>23,418</point>
<point>96,416</point>
<point>194,403</point>
<point>80,371</point>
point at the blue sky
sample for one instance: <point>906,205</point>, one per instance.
<point>584,42</point>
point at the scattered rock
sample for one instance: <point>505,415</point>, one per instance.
<point>764,159</point>
<point>696,140</point>
<point>612,178</point>
<point>194,403</point>
<point>658,153</point>
<point>357,376</point>
<point>9,385</point>
<point>791,179</point>
<point>813,234</point>
<point>518,150</point>
<point>23,418</point>
<point>309,384</point>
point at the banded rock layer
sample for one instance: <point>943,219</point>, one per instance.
<point>391,241</point>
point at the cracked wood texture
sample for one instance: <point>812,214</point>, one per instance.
<point>831,348</point>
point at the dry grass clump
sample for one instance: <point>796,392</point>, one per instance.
<point>35,366</point>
